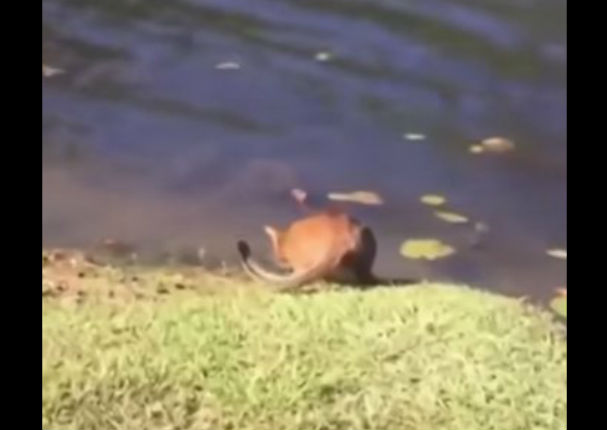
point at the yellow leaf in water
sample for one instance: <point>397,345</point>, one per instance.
<point>476,149</point>
<point>48,71</point>
<point>323,56</point>
<point>433,199</point>
<point>481,227</point>
<point>227,65</point>
<point>497,144</point>
<point>429,249</point>
<point>557,253</point>
<point>414,136</point>
<point>451,217</point>
<point>363,197</point>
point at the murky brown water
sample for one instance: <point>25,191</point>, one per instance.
<point>145,140</point>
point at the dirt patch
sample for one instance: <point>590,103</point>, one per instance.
<point>76,276</point>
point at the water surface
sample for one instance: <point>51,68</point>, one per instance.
<point>146,140</point>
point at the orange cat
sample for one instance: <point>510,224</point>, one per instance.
<point>324,245</point>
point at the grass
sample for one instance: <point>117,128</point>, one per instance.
<point>426,357</point>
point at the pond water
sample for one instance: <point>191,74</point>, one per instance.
<point>184,124</point>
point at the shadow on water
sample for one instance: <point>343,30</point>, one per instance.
<point>145,139</point>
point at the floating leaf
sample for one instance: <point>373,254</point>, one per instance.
<point>48,71</point>
<point>559,305</point>
<point>476,149</point>
<point>414,136</point>
<point>451,217</point>
<point>429,249</point>
<point>363,197</point>
<point>323,56</point>
<point>228,65</point>
<point>497,144</point>
<point>433,199</point>
<point>299,194</point>
<point>481,227</point>
<point>557,253</point>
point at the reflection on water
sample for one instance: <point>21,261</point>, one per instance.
<point>145,139</point>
